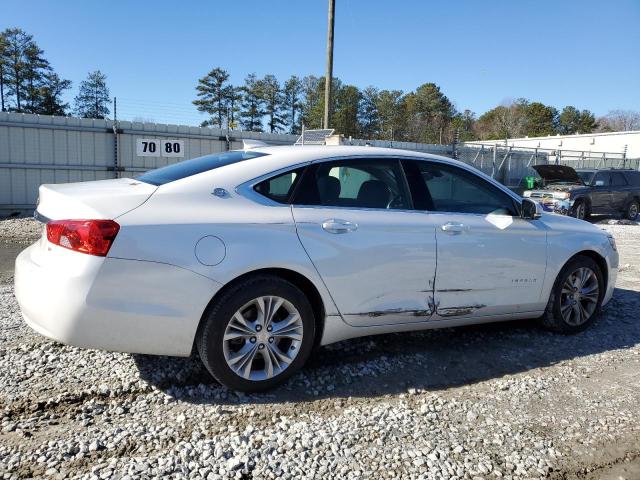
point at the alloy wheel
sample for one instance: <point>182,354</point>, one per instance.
<point>633,211</point>
<point>263,338</point>
<point>579,296</point>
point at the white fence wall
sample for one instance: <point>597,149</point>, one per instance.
<point>38,149</point>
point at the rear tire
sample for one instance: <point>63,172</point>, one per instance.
<point>257,334</point>
<point>632,210</point>
<point>576,297</point>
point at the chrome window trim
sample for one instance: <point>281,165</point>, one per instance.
<point>246,189</point>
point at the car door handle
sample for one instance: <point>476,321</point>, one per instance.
<point>454,228</point>
<point>334,225</point>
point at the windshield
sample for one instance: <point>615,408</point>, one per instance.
<point>585,176</point>
<point>187,168</point>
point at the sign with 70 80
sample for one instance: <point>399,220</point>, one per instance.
<point>159,148</point>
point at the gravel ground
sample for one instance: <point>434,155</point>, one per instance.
<point>19,230</point>
<point>496,401</point>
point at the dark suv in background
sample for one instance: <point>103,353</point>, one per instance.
<point>583,192</point>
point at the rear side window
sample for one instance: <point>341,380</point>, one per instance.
<point>187,168</point>
<point>281,187</point>
<point>357,183</point>
<point>617,180</point>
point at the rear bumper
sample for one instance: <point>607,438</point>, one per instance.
<point>111,304</point>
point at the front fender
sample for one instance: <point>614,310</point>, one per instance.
<point>564,245</point>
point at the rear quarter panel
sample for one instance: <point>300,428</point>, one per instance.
<point>168,226</point>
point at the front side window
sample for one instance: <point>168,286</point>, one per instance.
<point>444,188</point>
<point>187,168</point>
<point>586,176</point>
<point>360,183</point>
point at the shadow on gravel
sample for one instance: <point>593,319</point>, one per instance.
<point>429,360</point>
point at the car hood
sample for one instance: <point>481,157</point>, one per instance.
<point>557,173</point>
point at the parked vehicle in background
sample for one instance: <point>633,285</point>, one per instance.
<point>584,192</point>
<point>254,257</point>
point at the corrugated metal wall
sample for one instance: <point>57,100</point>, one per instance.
<point>38,149</point>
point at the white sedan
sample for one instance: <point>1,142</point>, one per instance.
<point>254,257</point>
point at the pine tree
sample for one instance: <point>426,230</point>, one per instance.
<point>36,69</point>
<point>313,100</point>
<point>50,96</point>
<point>392,114</point>
<point>214,92</point>
<point>346,109</point>
<point>25,74</point>
<point>540,119</point>
<point>17,41</point>
<point>312,95</point>
<point>3,69</point>
<point>252,108</point>
<point>235,97</point>
<point>464,124</point>
<point>291,103</point>
<point>272,96</point>
<point>429,114</point>
<point>93,98</point>
<point>369,116</point>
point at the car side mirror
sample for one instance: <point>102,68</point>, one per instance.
<point>599,183</point>
<point>530,210</point>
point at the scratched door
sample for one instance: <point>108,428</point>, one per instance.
<point>490,261</point>
<point>378,259</point>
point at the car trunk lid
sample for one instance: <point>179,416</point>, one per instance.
<point>101,199</point>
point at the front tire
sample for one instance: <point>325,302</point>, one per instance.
<point>632,210</point>
<point>580,210</point>
<point>257,334</point>
<point>576,296</point>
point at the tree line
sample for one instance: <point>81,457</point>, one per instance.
<point>29,84</point>
<point>424,115</point>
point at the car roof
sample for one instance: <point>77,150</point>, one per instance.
<point>295,154</point>
<point>282,158</point>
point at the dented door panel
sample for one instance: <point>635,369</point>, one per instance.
<point>382,271</point>
<point>495,265</point>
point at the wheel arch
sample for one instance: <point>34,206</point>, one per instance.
<point>632,198</point>
<point>586,199</point>
<point>296,278</point>
<point>596,257</point>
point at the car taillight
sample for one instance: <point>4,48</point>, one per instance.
<point>86,236</point>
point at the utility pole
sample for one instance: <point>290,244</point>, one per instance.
<point>116,149</point>
<point>329,77</point>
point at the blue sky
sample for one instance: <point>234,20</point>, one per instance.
<point>481,53</point>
